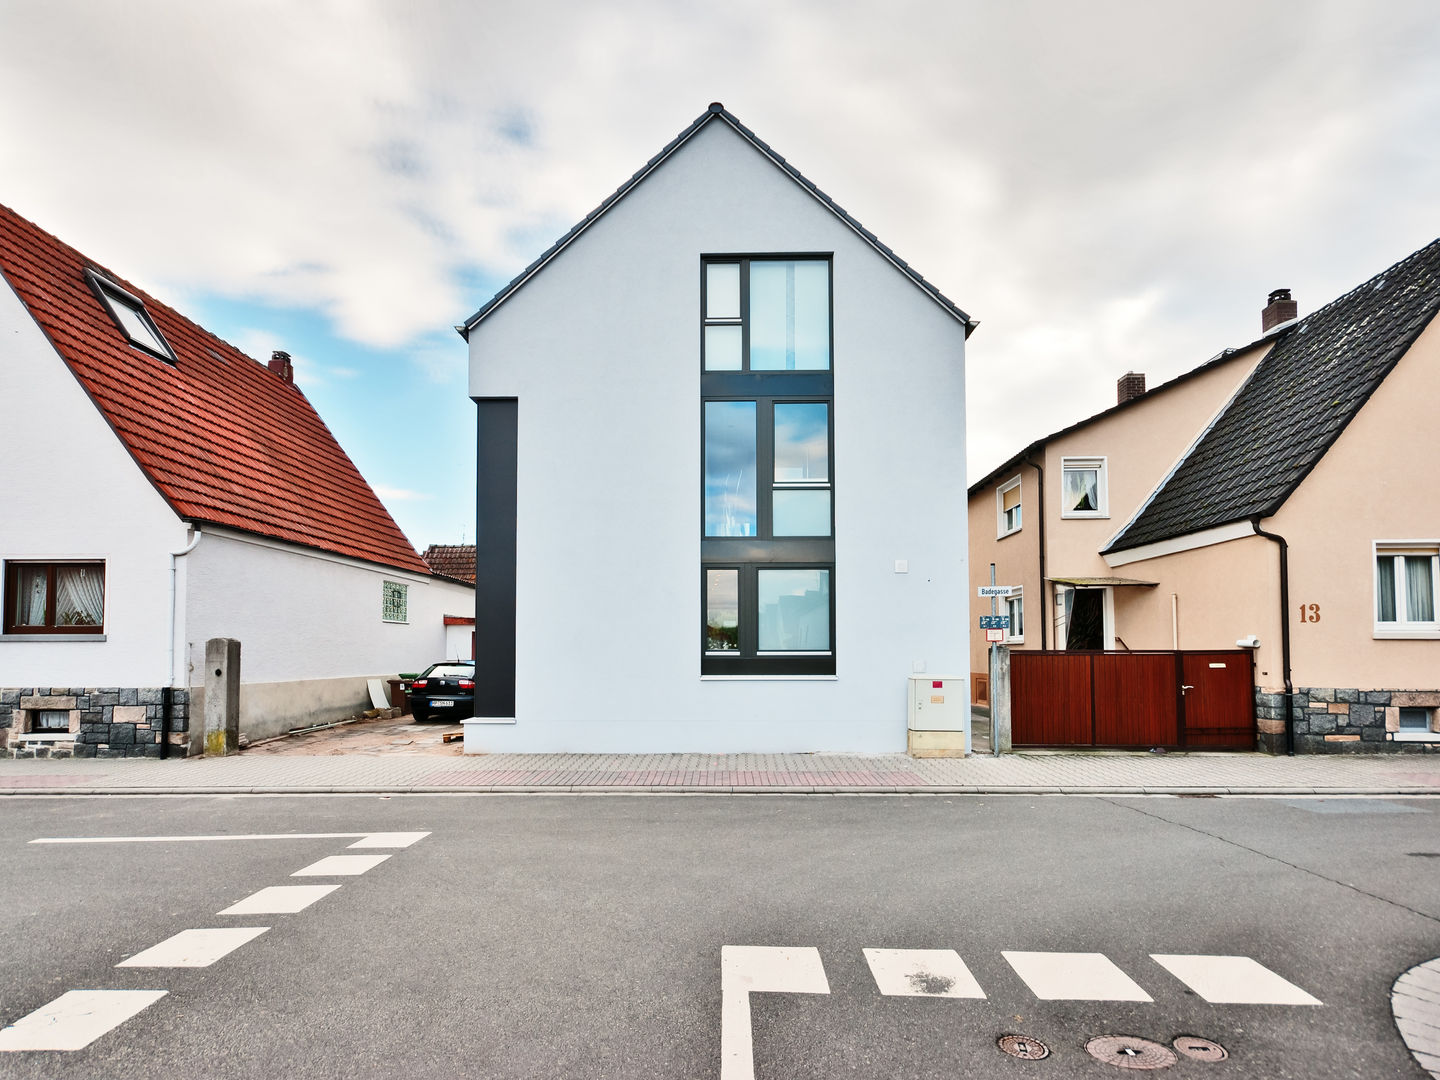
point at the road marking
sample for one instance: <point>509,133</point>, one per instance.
<point>280,900</point>
<point>341,866</point>
<point>922,973</point>
<point>389,839</point>
<point>747,969</point>
<point>1066,976</point>
<point>1233,980</point>
<point>176,839</point>
<point>194,948</point>
<point>76,1019</point>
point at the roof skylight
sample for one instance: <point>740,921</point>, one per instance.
<point>130,315</point>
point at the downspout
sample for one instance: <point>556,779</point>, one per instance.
<point>1041,499</point>
<point>1284,632</point>
<point>167,694</point>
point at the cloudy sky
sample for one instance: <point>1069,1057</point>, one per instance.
<point>1105,186</point>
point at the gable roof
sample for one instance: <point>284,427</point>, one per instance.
<point>454,561</point>
<point>715,113</point>
<point>1294,406</point>
<point>224,440</point>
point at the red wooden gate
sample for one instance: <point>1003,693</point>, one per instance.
<point>1132,699</point>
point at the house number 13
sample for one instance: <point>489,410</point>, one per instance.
<point>1309,612</point>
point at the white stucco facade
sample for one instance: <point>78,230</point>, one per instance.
<point>70,491</point>
<point>602,351</point>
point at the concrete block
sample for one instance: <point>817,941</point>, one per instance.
<point>1414,699</point>
<point>222,696</point>
<point>1350,696</point>
<point>1342,738</point>
<point>48,701</point>
<point>1321,693</point>
<point>1338,708</point>
<point>128,714</point>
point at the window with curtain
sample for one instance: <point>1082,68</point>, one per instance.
<point>1082,487</point>
<point>54,597</point>
<point>1406,576</point>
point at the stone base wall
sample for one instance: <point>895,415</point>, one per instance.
<point>106,721</point>
<point>1339,720</point>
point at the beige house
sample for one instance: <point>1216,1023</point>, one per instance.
<point>1281,498</point>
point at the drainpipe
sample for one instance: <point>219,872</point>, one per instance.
<point>1284,631</point>
<point>1043,590</point>
<point>167,694</point>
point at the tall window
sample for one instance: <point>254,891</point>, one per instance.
<point>1007,508</point>
<point>1406,577</point>
<point>1015,608</point>
<point>767,442</point>
<point>1082,488</point>
<point>54,597</point>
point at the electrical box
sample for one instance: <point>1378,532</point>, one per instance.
<point>939,715</point>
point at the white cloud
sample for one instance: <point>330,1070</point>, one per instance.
<point>388,494</point>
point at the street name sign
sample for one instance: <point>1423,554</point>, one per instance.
<point>996,590</point>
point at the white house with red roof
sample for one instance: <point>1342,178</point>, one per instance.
<point>160,488</point>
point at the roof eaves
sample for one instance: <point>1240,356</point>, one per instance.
<point>714,111</point>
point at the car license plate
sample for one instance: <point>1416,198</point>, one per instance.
<point>441,704</point>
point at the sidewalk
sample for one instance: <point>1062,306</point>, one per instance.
<point>1036,773</point>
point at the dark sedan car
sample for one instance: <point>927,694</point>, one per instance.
<point>444,690</point>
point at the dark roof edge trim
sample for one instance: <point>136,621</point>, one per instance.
<point>655,162</point>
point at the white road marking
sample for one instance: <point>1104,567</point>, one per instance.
<point>922,973</point>
<point>194,948</point>
<point>747,969</point>
<point>175,839</point>
<point>389,839</point>
<point>1065,976</point>
<point>341,866</point>
<point>1233,980</point>
<point>76,1019</point>
<point>280,900</point>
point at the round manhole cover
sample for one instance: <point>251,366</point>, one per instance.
<point>1022,1046</point>
<point>1128,1052</point>
<point>1192,1046</point>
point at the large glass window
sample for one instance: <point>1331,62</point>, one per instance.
<point>767,539</point>
<point>54,598</point>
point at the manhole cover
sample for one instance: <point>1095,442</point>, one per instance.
<point>1192,1046</point>
<point>1022,1046</point>
<point>1128,1052</point>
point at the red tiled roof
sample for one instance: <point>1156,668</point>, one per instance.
<point>224,440</point>
<point>452,560</point>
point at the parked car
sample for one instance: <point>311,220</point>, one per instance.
<point>446,689</point>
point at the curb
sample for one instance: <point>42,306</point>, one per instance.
<point>701,789</point>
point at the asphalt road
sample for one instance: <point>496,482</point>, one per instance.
<point>565,936</point>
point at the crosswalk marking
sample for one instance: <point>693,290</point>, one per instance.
<point>922,973</point>
<point>750,968</point>
<point>280,900</point>
<point>1062,976</point>
<point>389,839</point>
<point>76,1019</point>
<point>194,948</point>
<point>1233,980</point>
<point>341,866</point>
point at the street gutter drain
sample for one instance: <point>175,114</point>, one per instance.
<point>1192,1046</point>
<point>1128,1052</point>
<point>1022,1046</point>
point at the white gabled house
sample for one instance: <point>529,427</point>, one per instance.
<point>159,488</point>
<point>721,500</point>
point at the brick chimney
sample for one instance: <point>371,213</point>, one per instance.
<point>1130,385</point>
<point>280,365</point>
<point>1278,309</point>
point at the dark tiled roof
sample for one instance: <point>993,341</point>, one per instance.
<point>223,439</point>
<point>455,561</point>
<point>1295,404</point>
<point>716,112</point>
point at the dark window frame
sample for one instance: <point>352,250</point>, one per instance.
<point>110,294</point>
<point>8,624</point>
<point>750,554</point>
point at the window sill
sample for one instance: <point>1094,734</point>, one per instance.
<point>1429,633</point>
<point>1012,532</point>
<point>1416,736</point>
<point>769,678</point>
<point>44,736</point>
<point>52,637</point>
<point>1085,517</point>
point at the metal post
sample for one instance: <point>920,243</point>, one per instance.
<point>994,610</point>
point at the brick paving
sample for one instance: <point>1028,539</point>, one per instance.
<point>1053,772</point>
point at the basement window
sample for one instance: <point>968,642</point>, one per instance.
<point>130,316</point>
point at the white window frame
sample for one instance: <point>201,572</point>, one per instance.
<point>1403,627</point>
<point>1102,487</point>
<point>1012,638</point>
<point>401,596</point>
<point>1010,485</point>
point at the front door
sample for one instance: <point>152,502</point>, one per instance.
<point>1219,701</point>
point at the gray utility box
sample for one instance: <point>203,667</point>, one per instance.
<point>940,703</point>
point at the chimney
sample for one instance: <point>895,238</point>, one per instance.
<point>280,365</point>
<point>1278,309</point>
<point>1130,385</point>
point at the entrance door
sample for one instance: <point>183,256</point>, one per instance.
<point>1219,703</point>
